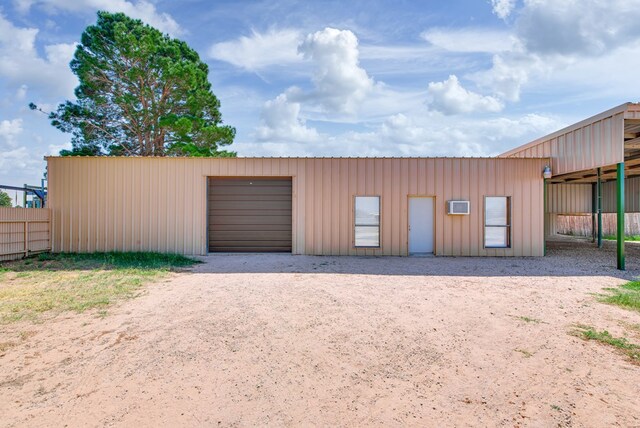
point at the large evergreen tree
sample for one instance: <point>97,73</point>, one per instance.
<point>141,93</point>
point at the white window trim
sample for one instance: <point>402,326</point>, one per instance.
<point>507,226</point>
<point>379,226</point>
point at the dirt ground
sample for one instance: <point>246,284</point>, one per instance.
<point>280,340</point>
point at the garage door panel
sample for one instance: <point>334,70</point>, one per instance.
<point>250,214</point>
<point>254,181</point>
<point>243,213</point>
<point>269,249</point>
<point>245,235</point>
<point>250,205</point>
<point>253,191</point>
<point>221,220</point>
<point>249,227</point>
<point>257,243</point>
<point>254,197</point>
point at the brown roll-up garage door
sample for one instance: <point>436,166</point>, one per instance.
<point>249,214</point>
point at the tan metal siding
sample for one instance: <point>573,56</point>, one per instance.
<point>550,224</point>
<point>132,204</point>
<point>592,143</point>
<point>631,196</point>
<point>569,198</point>
<point>577,198</point>
<point>20,224</point>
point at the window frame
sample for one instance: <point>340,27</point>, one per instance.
<point>378,226</point>
<point>507,226</point>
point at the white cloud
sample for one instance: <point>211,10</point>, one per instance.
<point>552,37</point>
<point>597,77</point>
<point>578,27</point>
<point>20,164</point>
<point>21,92</point>
<point>21,64</point>
<point>503,8</point>
<point>10,130</point>
<point>340,86</point>
<point>141,9</point>
<point>11,160</point>
<point>420,133</point>
<point>449,97</point>
<point>23,6</point>
<point>432,134</point>
<point>260,50</point>
<point>340,83</point>
<point>470,39</point>
<point>510,72</point>
<point>280,121</point>
<point>395,53</point>
<point>54,149</point>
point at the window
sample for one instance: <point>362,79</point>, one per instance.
<point>367,221</point>
<point>497,222</point>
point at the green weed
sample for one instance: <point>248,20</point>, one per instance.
<point>626,296</point>
<point>622,344</point>
<point>52,283</point>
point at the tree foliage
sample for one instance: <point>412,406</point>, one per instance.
<point>141,93</point>
<point>5,199</point>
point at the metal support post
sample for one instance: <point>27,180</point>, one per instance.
<point>544,218</point>
<point>594,209</point>
<point>620,215</point>
<point>599,209</point>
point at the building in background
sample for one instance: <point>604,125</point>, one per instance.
<point>342,206</point>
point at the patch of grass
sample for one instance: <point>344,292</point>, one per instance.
<point>622,344</point>
<point>528,319</point>
<point>6,345</point>
<point>24,335</point>
<point>112,260</point>
<point>626,238</point>
<point>52,283</point>
<point>626,296</point>
<point>527,354</point>
<point>634,327</point>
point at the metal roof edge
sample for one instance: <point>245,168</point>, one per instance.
<point>287,158</point>
<point>608,113</point>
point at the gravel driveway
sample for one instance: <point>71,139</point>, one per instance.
<point>280,340</point>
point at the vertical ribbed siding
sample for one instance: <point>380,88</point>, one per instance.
<point>577,198</point>
<point>592,143</point>
<point>12,231</point>
<point>569,198</point>
<point>134,204</point>
<point>631,196</point>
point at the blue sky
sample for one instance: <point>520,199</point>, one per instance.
<point>335,78</point>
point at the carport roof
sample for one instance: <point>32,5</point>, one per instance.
<point>600,141</point>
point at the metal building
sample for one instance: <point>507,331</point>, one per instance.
<point>350,206</point>
<point>322,206</point>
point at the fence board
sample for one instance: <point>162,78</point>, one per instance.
<point>23,231</point>
<point>580,225</point>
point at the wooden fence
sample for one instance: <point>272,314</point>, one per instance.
<point>23,231</point>
<point>581,225</point>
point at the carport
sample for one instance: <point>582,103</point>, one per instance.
<point>592,162</point>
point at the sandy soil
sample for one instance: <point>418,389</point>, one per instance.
<point>293,340</point>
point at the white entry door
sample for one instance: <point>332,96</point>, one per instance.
<point>420,225</point>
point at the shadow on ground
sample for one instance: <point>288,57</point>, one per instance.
<point>566,256</point>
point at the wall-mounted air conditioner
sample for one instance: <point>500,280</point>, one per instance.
<point>458,207</point>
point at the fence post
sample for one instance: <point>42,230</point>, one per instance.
<point>25,227</point>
